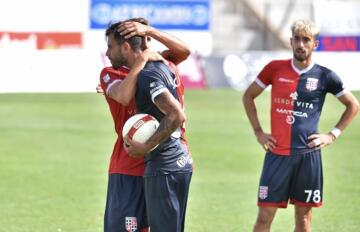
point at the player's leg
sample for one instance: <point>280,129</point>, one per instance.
<point>306,190</point>
<point>183,193</point>
<point>264,219</point>
<point>303,216</point>
<point>166,197</point>
<point>273,189</point>
<point>125,205</point>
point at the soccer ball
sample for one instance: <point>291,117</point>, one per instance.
<point>140,127</point>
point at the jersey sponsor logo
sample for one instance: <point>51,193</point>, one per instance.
<point>176,134</point>
<point>285,80</point>
<point>285,101</point>
<point>311,84</point>
<point>263,192</point>
<point>290,115</point>
<point>292,112</point>
<point>290,119</point>
<point>306,105</point>
<point>294,95</point>
<point>130,224</point>
<point>106,78</point>
<point>183,160</point>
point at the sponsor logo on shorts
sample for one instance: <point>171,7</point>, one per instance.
<point>130,224</point>
<point>263,192</point>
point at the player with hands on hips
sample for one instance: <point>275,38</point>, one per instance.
<point>292,170</point>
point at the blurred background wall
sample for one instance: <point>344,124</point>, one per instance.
<point>59,46</point>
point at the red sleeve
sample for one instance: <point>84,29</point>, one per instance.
<point>266,75</point>
<point>110,76</point>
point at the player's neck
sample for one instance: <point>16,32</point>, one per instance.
<point>302,64</point>
<point>131,59</point>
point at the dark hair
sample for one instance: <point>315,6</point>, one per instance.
<point>136,42</point>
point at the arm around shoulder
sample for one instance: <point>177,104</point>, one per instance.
<point>123,92</point>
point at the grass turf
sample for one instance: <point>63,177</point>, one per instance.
<point>55,148</point>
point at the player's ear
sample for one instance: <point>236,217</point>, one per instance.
<point>126,46</point>
<point>146,41</point>
<point>316,44</point>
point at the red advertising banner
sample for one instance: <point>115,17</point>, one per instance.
<point>42,40</point>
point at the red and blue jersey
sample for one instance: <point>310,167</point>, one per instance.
<point>297,98</point>
<point>120,161</point>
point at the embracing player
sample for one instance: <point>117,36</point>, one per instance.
<point>125,207</point>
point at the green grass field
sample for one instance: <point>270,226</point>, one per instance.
<point>55,149</point>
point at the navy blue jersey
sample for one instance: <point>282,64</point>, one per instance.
<point>297,98</point>
<point>170,155</point>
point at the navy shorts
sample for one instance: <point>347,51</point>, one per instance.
<point>125,205</point>
<point>298,178</point>
<point>166,198</point>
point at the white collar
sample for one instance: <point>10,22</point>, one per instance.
<point>302,71</point>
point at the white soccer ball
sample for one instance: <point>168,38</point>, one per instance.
<point>140,127</point>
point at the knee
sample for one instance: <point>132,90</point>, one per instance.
<point>303,221</point>
<point>265,217</point>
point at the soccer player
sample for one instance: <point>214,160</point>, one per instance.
<point>292,169</point>
<point>168,168</point>
<point>125,207</point>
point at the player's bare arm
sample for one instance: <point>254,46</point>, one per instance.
<point>124,91</point>
<point>178,50</point>
<point>265,139</point>
<point>351,109</point>
<point>173,119</point>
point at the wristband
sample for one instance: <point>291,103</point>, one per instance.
<point>335,132</point>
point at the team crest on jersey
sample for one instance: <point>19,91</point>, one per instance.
<point>106,78</point>
<point>311,84</point>
<point>263,192</point>
<point>130,224</point>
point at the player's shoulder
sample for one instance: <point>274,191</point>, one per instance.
<point>323,69</point>
<point>120,72</point>
<point>278,63</point>
<point>154,69</point>
<point>325,73</point>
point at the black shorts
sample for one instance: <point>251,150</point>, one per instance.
<point>298,178</point>
<point>125,205</point>
<point>166,197</point>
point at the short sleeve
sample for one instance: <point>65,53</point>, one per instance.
<point>264,78</point>
<point>151,84</point>
<point>335,84</point>
<point>109,77</point>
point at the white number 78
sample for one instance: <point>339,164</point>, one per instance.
<point>315,195</point>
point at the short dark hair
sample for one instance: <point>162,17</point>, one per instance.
<point>136,42</point>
